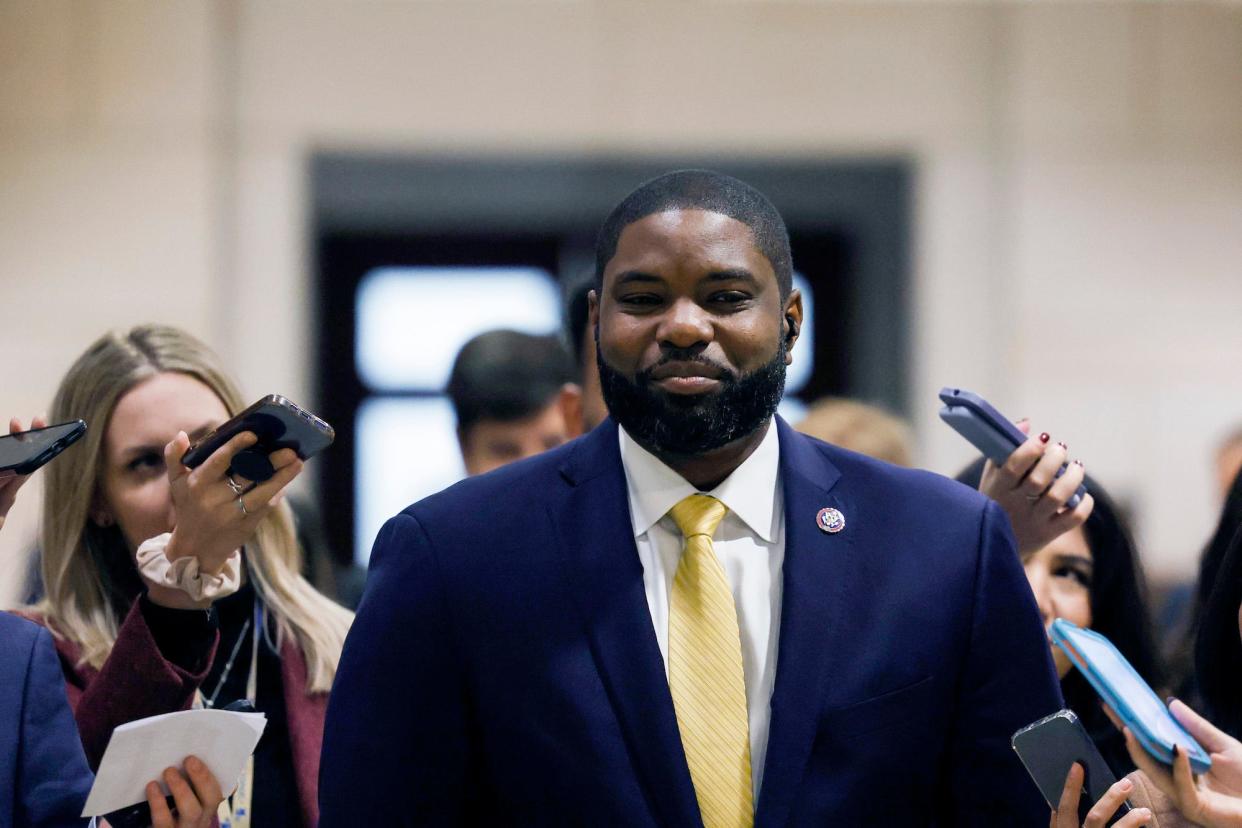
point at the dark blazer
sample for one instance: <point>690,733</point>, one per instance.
<point>44,779</point>
<point>503,668</point>
<point>137,681</point>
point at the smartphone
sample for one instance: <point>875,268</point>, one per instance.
<point>278,423</point>
<point>137,815</point>
<point>25,451</point>
<point>988,430</point>
<point>1122,689</point>
<point>1050,746</point>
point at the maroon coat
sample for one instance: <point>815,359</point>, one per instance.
<point>137,681</point>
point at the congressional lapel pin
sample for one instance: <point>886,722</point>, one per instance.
<point>830,520</point>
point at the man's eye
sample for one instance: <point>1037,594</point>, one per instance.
<point>730,297</point>
<point>640,299</point>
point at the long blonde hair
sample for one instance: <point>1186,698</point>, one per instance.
<point>82,561</point>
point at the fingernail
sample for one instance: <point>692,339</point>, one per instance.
<point>1045,437</point>
<point>1170,699</point>
<point>1022,420</point>
<point>1126,785</point>
<point>1078,463</point>
<point>192,763</point>
<point>1062,445</point>
<point>1174,751</point>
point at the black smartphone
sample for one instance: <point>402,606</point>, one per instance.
<point>1050,746</point>
<point>278,423</point>
<point>137,815</point>
<point>25,451</point>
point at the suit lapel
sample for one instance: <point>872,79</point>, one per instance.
<point>597,541</point>
<point>816,579</point>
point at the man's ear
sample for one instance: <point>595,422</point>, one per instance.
<point>791,325</point>
<point>569,401</point>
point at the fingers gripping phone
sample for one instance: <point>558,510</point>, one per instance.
<point>278,423</point>
<point>1123,690</point>
<point>988,430</point>
<point>1050,746</point>
<point>25,451</point>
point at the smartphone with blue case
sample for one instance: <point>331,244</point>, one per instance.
<point>988,430</point>
<point>1122,689</point>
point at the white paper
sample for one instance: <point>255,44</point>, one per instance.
<point>139,752</point>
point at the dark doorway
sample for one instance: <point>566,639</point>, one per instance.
<point>849,226</point>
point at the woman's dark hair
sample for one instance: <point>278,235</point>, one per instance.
<point>1119,611</point>
<point>1218,641</point>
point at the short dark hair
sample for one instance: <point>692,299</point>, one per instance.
<point>507,375</point>
<point>702,190</point>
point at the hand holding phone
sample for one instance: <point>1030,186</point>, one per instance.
<point>988,430</point>
<point>1032,480</point>
<point>278,423</point>
<point>23,452</point>
<point>1127,695</point>
<point>1049,749</point>
<point>1215,798</point>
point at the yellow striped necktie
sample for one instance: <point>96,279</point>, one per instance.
<point>705,671</point>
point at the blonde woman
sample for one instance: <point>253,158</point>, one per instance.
<point>132,647</point>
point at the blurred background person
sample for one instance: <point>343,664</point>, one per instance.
<point>1206,643</point>
<point>131,648</point>
<point>861,427</point>
<point>44,777</point>
<point>1228,461</point>
<point>1090,575</point>
<point>581,335</point>
<point>514,395</point>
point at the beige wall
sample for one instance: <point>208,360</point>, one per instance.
<point>1079,186</point>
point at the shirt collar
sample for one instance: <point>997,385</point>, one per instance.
<point>750,492</point>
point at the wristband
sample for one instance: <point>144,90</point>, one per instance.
<point>184,573</point>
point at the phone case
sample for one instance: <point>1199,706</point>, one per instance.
<point>1140,709</point>
<point>278,423</point>
<point>988,430</point>
<point>1050,746</point>
<point>73,431</point>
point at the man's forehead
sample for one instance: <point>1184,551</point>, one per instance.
<point>689,233</point>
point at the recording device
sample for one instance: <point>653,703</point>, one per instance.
<point>988,430</point>
<point>1050,746</point>
<point>1123,690</point>
<point>278,423</point>
<point>25,451</point>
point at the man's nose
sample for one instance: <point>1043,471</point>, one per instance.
<point>684,325</point>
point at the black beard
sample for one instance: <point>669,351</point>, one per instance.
<point>679,424</point>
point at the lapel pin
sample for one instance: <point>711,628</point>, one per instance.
<point>830,520</point>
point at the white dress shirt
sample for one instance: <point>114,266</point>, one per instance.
<point>750,544</point>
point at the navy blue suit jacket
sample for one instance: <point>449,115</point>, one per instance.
<point>44,778</point>
<point>503,668</point>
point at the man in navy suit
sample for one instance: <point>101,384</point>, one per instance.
<point>693,615</point>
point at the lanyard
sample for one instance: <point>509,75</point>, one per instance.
<point>234,812</point>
